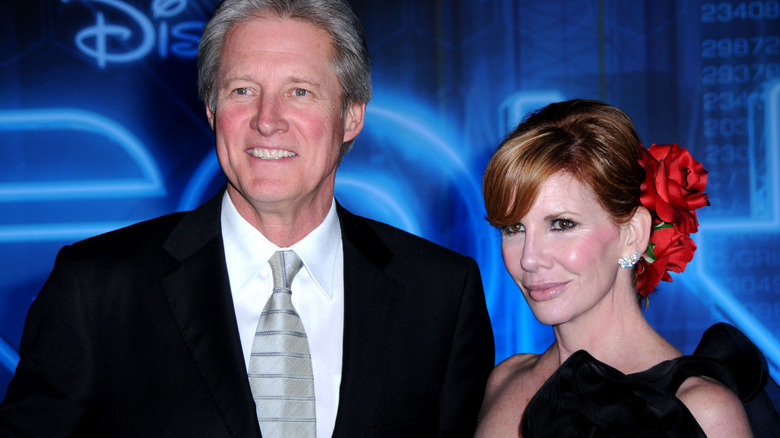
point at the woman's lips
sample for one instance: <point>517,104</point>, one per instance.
<point>545,291</point>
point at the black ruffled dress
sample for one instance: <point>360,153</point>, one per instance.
<point>587,398</point>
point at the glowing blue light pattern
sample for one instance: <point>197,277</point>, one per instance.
<point>9,358</point>
<point>765,217</point>
<point>56,232</point>
<point>150,184</point>
<point>520,104</point>
<point>203,177</point>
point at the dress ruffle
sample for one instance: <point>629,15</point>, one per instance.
<point>587,398</point>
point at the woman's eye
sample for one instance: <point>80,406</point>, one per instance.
<point>243,91</point>
<point>511,229</point>
<point>563,224</point>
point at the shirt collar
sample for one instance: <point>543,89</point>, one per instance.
<point>247,250</point>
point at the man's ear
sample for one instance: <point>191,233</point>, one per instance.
<point>353,120</point>
<point>212,118</point>
<point>637,230</point>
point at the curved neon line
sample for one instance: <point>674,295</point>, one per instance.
<point>425,133</point>
<point>381,196</point>
<point>9,358</point>
<point>471,191</point>
<point>50,232</point>
<point>420,130</point>
<point>79,120</point>
<point>204,174</point>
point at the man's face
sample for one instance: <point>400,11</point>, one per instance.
<point>278,122</point>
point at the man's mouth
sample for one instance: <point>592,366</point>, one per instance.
<point>271,154</point>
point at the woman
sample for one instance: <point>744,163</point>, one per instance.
<point>591,221</point>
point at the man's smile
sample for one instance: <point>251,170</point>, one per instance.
<point>270,154</point>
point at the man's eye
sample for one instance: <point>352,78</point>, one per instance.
<point>300,92</point>
<point>243,91</point>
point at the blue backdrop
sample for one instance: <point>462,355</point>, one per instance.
<point>100,126</point>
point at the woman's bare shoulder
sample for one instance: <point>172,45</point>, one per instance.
<point>716,408</point>
<point>510,386</point>
<point>513,367</point>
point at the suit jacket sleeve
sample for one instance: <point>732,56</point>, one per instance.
<point>471,360</point>
<point>51,391</point>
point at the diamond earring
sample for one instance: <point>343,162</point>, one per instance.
<point>630,261</point>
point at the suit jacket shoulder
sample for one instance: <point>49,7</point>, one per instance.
<point>134,334</point>
<point>385,244</point>
<point>179,233</point>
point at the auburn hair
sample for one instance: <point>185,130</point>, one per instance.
<point>591,140</point>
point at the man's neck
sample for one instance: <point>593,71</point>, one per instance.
<point>286,224</point>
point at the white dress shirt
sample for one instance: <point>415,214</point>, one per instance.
<point>318,296</point>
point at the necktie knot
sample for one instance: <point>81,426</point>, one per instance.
<point>284,266</point>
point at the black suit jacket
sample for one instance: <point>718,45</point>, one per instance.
<point>134,334</point>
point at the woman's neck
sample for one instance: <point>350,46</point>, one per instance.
<point>623,340</point>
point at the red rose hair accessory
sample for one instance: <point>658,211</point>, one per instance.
<point>673,189</point>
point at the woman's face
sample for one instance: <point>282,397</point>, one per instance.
<point>563,254</point>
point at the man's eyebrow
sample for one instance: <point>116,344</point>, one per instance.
<point>230,79</point>
<point>303,80</point>
<point>292,79</point>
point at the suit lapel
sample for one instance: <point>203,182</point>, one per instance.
<point>198,293</point>
<point>370,299</point>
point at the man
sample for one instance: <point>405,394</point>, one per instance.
<point>150,330</point>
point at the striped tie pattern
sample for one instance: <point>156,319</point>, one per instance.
<point>280,372</point>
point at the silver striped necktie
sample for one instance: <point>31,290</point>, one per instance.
<point>280,372</point>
